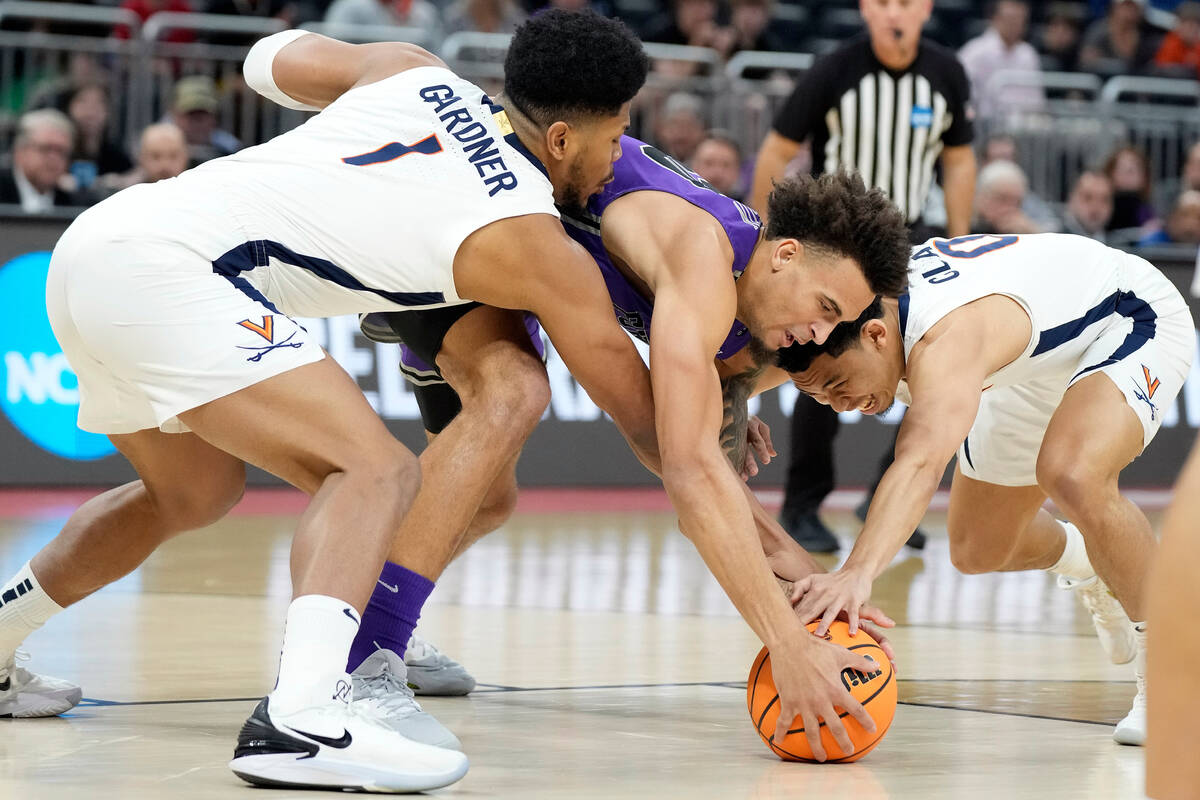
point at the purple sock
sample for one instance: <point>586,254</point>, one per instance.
<point>391,614</point>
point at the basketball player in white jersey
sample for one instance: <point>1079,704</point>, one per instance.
<point>1046,362</point>
<point>173,304</point>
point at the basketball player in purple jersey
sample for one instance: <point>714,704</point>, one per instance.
<point>664,240</point>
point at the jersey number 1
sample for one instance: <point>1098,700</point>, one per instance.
<point>390,152</point>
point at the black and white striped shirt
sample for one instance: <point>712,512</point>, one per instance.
<point>890,126</point>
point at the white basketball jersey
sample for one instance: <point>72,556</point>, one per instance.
<point>1073,288</point>
<point>363,207</point>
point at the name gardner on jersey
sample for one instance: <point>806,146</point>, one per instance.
<point>473,136</point>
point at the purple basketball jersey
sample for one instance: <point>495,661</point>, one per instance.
<point>642,167</point>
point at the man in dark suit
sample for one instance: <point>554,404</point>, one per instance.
<point>41,156</point>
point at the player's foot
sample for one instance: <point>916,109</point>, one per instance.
<point>1132,729</point>
<point>916,541</point>
<point>381,691</point>
<point>26,694</point>
<point>1112,624</point>
<point>432,672</point>
<point>333,746</point>
<point>808,531</point>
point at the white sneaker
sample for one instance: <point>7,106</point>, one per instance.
<point>26,694</point>
<point>431,672</point>
<point>1132,729</point>
<point>1112,624</point>
<point>332,746</point>
<point>381,691</point>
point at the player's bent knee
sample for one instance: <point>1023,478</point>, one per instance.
<point>1071,484</point>
<point>204,499</point>
<point>975,561</point>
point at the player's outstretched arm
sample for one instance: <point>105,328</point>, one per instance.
<point>945,380</point>
<point>308,71</point>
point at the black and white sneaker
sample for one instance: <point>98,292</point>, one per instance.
<point>334,747</point>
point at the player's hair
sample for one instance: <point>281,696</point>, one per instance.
<point>32,121</point>
<point>799,357</point>
<point>836,213</point>
<point>563,65</point>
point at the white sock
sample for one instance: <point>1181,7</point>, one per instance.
<point>316,643</point>
<point>24,607</point>
<point>1074,563</point>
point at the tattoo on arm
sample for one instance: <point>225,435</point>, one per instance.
<point>735,393</point>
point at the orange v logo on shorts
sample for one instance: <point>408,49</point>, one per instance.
<point>1151,383</point>
<point>265,330</point>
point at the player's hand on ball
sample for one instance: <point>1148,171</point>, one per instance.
<point>826,595</point>
<point>876,633</point>
<point>808,678</point>
<point>760,450</point>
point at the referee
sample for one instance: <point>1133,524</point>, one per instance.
<point>889,104</point>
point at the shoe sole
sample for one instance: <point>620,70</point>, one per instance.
<point>426,683</point>
<point>42,705</point>
<point>293,772</point>
<point>1130,738</point>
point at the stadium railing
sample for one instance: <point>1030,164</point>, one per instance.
<point>1083,117</point>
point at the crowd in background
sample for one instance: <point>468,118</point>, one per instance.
<point>65,150</point>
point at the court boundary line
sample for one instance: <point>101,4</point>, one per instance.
<point>499,689</point>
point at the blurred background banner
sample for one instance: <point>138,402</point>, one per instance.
<point>574,445</point>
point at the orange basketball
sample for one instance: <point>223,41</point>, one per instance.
<point>875,690</point>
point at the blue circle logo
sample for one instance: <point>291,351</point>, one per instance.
<point>40,391</point>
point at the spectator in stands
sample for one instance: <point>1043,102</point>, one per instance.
<point>749,21</point>
<point>41,154</point>
<point>998,147</point>
<point>1191,169</point>
<point>1090,206</point>
<point>1003,47</point>
<point>1183,223</point>
<point>1003,147</point>
<point>680,126</point>
<point>162,153</point>
<point>718,159</point>
<point>146,8</point>
<point>286,11</point>
<point>1129,170</point>
<point>484,16</point>
<point>1181,46</point>
<point>999,194</point>
<point>406,13</point>
<point>1119,43</point>
<point>692,22</point>
<point>194,111</point>
<point>98,159</point>
<point>1060,37</point>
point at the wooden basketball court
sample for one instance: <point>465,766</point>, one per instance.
<point>611,666</point>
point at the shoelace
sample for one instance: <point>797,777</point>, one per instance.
<point>419,649</point>
<point>390,692</point>
<point>1094,598</point>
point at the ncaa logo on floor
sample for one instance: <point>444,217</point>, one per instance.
<point>41,393</point>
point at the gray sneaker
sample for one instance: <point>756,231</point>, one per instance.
<point>432,672</point>
<point>27,694</point>
<point>381,691</point>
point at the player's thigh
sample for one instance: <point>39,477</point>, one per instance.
<point>190,482</point>
<point>985,519</point>
<point>1091,437</point>
<point>303,425</point>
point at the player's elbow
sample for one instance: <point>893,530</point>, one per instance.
<point>688,469</point>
